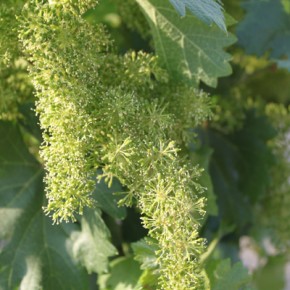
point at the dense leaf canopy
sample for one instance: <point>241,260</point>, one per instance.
<point>144,144</point>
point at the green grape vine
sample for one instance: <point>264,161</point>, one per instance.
<point>137,150</point>
<point>93,117</point>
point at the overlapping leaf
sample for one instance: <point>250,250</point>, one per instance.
<point>266,28</point>
<point>224,276</point>
<point>125,273</point>
<point>36,254</point>
<point>256,156</point>
<point>202,157</point>
<point>145,253</point>
<point>240,168</point>
<point>188,48</point>
<point>107,198</point>
<point>234,207</point>
<point>91,246</point>
<point>208,11</point>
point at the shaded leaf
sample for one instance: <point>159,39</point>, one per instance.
<point>124,275</point>
<point>30,121</point>
<point>234,207</point>
<point>256,157</point>
<point>144,251</point>
<point>35,255</point>
<point>91,246</point>
<point>224,276</point>
<point>208,11</point>
<point>188,48</point>
<point>240,168</point>
<point>271,85</point>
<point>266,28</point>
<point>108,200</point>
<point>202,157</point>
<point>132,227</point>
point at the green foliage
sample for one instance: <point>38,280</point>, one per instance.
<point>91,246</point>
<point>124,275</point>
<point>277,198</point>
<point>96,117</point>
<point>190,50</point>
<point>238,182</point>
<point>270,276</point>
<point>234,207</point>
<point>83,121</point>
<point>208,11</point>
<point>223,276</point>
<point>202,156</point>
<point>144,251</point>
<point>35,250</point>
<point>255,178</point>
<point>107,198</point>
<point>272,33</point>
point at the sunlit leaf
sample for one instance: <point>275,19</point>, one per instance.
<point>208,11</point>
<point>187,47</point>
<point>35,255</point>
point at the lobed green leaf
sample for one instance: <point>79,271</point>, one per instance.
<point>208,11</point>
<point>223,275</point>
<point>266,28</point>
<point>35,255</point>
<point>188,48</point>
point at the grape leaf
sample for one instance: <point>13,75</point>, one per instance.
<point>91,246</point>
<point>145,254</point>
<point>35,254</point>
<point>144,251</point>
<point>266,28</point>
<point>202,157</point>
<point>108,200</point>
<point>234,207</point>
<point>124,275</point>
<point>188,48</point>
<point>256,157</point>
<point>224,276</point>
<point>240,168</point>
<point>208,11</point>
